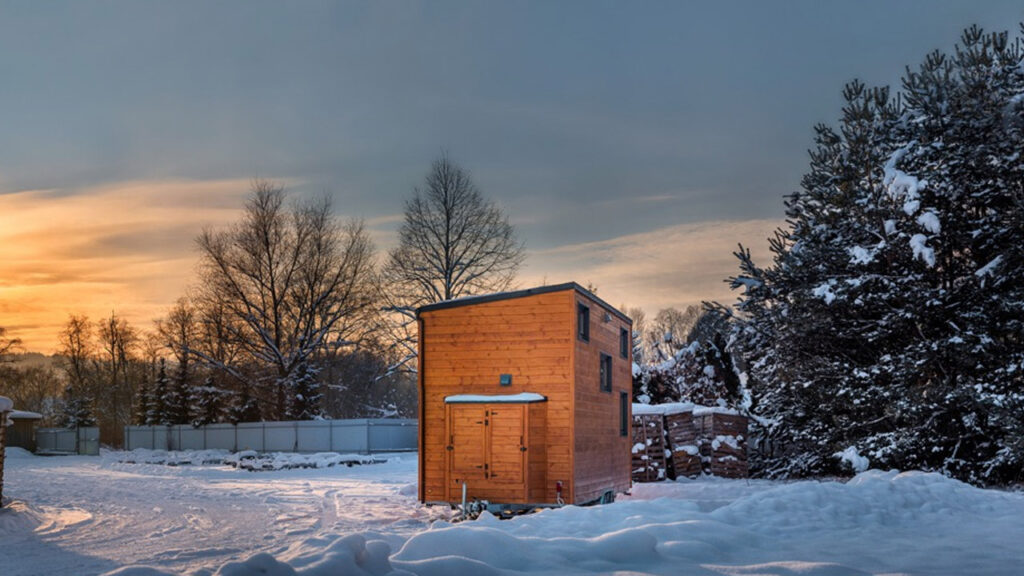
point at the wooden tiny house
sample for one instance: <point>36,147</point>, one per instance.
<point>523,392</point>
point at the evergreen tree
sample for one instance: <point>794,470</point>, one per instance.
<point>890,320</point>
<point>142,406</point>
<point>304,398</point>
<point>159,414</point>
<point>245,408</point>
<point>77,409</point>
<point>209,404</point>
<point>179,399</point>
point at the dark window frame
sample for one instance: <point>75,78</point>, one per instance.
<point>606,372</point>
<point>624,340</point>
<point>623,414</point>
<point>583,322</point>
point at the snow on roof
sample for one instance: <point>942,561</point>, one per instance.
<point>6,404</point>
<point>679,408</point>
<point>494,398</point>
<point>663,409</point>
<point>23,415</point>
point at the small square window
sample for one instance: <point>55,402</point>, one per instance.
<point>623,414</point>
<point>624,343</point>
<point>583,322</point>
<point>606,373</point>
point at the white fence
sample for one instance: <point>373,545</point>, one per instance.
<point>84,440</point>
<point>364,436</point>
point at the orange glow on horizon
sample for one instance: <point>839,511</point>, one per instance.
<point>129,248</point>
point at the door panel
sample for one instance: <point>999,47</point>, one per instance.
<point>467,442</point>
<point>507,436</point>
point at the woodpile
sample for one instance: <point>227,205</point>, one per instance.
<point>685,442</point>
<point>696,440</point>
<point>723,445</point>
<point>649,464</point>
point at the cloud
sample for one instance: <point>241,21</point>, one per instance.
<point>671,266</point>
<point>127,247</point>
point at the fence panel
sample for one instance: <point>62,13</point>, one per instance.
<point>349,436</point>
<point>192,438</point>
<point>250,436</point>
<point>89,441</point>
<point>359,436</point>
<point>280,436</point>
<point>69,440</point>
<point>220,437</point>
<point>313,436</point>
<point>391,435</point>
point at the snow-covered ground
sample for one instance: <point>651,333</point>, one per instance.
<point>82,515</point>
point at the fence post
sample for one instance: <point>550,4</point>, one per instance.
<point>369,450</point>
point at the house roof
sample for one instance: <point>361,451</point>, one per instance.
<point>471,300</point>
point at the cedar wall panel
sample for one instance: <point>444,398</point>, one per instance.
<point>602,459</point>
<point>465,349</point>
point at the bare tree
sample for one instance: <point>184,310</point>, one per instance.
<point>668,332</point>
<point>121,373</point>
<point>7,345</point>
<point>291,281</point>
<point>453,243</point>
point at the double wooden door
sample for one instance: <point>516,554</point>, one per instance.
<point>487,450</point>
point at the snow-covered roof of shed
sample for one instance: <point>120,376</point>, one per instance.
<point>483,298</point>
<point>679,408</point>
<point>521,398</point>
<point>24,415</point>
<point>663,409</point>
<point>6,404</point>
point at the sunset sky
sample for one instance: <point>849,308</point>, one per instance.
<point>632,144</point>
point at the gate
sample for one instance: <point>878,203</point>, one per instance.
<point>84,440</point>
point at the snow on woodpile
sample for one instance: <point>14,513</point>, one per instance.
<point>697,440</point>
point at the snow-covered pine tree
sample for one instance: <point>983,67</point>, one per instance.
<point>304,394</point>
<point>245,407</point>
<point>142,405</point>
<point>209,401</point>
<point>890,319</point>
<point>179,398</point>
<point>77,409</point>
<point>158,414</point>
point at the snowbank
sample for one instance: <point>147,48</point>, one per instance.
<point>19,518</point>
<point>877,523</point>
<point>246,459</point>
<point>12,452</point>
<point>6,404</point>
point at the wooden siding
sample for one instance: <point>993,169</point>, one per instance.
<point>465,349</point>
<point>602,454</point>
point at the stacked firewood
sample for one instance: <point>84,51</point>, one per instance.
<point>693,441</point>
<point>649,464</point>
<point>723,445</point>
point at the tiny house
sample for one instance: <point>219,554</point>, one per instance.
<point>524,398</point>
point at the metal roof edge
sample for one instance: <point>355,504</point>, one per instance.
<point>484,298</point>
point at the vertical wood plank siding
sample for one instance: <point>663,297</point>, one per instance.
<point>573,437</point>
